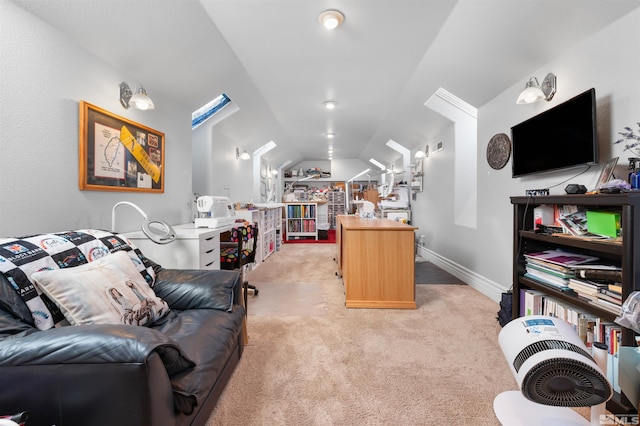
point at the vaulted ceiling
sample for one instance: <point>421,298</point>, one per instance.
<point>278,64</point>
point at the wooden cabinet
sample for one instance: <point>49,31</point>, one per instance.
<point>301,220</point>
<point>194,248</point>
<point>377,262</point>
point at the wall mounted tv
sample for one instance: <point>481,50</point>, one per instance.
<point>559,138</point>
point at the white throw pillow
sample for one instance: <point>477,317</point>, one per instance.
<point>109,290</point>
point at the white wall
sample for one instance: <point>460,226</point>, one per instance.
<point>216,171</point>
<point>483,256</point>
<point>43,77</point>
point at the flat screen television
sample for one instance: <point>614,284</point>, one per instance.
<point>559,138</point>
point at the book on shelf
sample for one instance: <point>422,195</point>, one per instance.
<point>604,274</point>
<point>589,288</point>
<point>589,326</point>
<point>561,257</point>
<point>610,296</point>
<point>614,308</point>
<point>549,268</point>
<point>558,283</point>
<point>615,287</point>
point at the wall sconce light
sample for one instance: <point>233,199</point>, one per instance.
<point>422,154</point>
<point>331,19</point>
<point>244,156</point>
<point>137,99</point>
<point>534,92</point>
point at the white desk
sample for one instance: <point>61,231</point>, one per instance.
<point>194,248</point>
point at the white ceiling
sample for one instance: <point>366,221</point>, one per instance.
<point>274,60</point>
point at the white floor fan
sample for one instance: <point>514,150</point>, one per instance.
<point>554,371</point>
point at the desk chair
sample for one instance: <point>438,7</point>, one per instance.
<point>238,249</point>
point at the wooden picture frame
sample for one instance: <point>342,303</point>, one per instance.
<point>117,154</point>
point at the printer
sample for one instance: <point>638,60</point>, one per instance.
<point>214,212</point>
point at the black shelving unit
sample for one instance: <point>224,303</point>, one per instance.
<point>625,252</point>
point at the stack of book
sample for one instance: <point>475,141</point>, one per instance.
<point>600,285</point>
<point>572,272</point>
<point>554,267</point>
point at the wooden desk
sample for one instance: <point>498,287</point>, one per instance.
<point>376,261</point>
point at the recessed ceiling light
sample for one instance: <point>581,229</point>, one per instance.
<point>330,135</point>
<point>331,19</point>
<point>329,104</point>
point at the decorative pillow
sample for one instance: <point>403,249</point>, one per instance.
<point>107,291</point>
<point>21,257</point>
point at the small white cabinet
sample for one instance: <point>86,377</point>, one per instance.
<point>194,248</point>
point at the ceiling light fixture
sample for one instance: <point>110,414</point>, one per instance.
<point>331,135</point>
<point>329,104</point>
<point>331,19</point>
<point>534,92</point>
<point>137,99</point>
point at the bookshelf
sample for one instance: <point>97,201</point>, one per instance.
<point>267,217</point>
<point>301,220</point>
<point>623,252</point>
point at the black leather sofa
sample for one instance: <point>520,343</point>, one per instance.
<point>169,373</point>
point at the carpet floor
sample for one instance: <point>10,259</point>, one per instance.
<point>436,365</point>
<point>285,299</point>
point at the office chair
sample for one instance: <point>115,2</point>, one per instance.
<point>238,249</point>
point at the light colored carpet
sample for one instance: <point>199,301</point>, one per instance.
<point>284,299</point>
<point>437,365</point>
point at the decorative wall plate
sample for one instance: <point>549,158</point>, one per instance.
<point>498,151</point>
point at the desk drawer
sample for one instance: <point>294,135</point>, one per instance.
<point>210,259</point>
<point>209,243</point>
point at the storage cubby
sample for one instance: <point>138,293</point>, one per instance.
<point>301,220</point>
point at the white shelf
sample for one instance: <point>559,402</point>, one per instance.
<point>301,220</point>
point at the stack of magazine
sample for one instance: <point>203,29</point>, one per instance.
<point>554,267</point>
<point>575,223</point>
<point>595,283</point>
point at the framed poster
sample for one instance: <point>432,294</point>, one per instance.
<point>117,154</point>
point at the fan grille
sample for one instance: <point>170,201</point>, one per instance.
<point>545,345</point>
<point>564,382</point>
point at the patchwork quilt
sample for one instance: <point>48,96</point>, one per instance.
<point>21,257</point>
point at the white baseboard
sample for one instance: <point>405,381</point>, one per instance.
<point>489,288</point>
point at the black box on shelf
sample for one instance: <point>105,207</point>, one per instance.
<point>323,235</point>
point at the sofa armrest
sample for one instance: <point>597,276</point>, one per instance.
<point>186,289</point>
<point>92,344</point>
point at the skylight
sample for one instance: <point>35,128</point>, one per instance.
<point>207,111</point>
